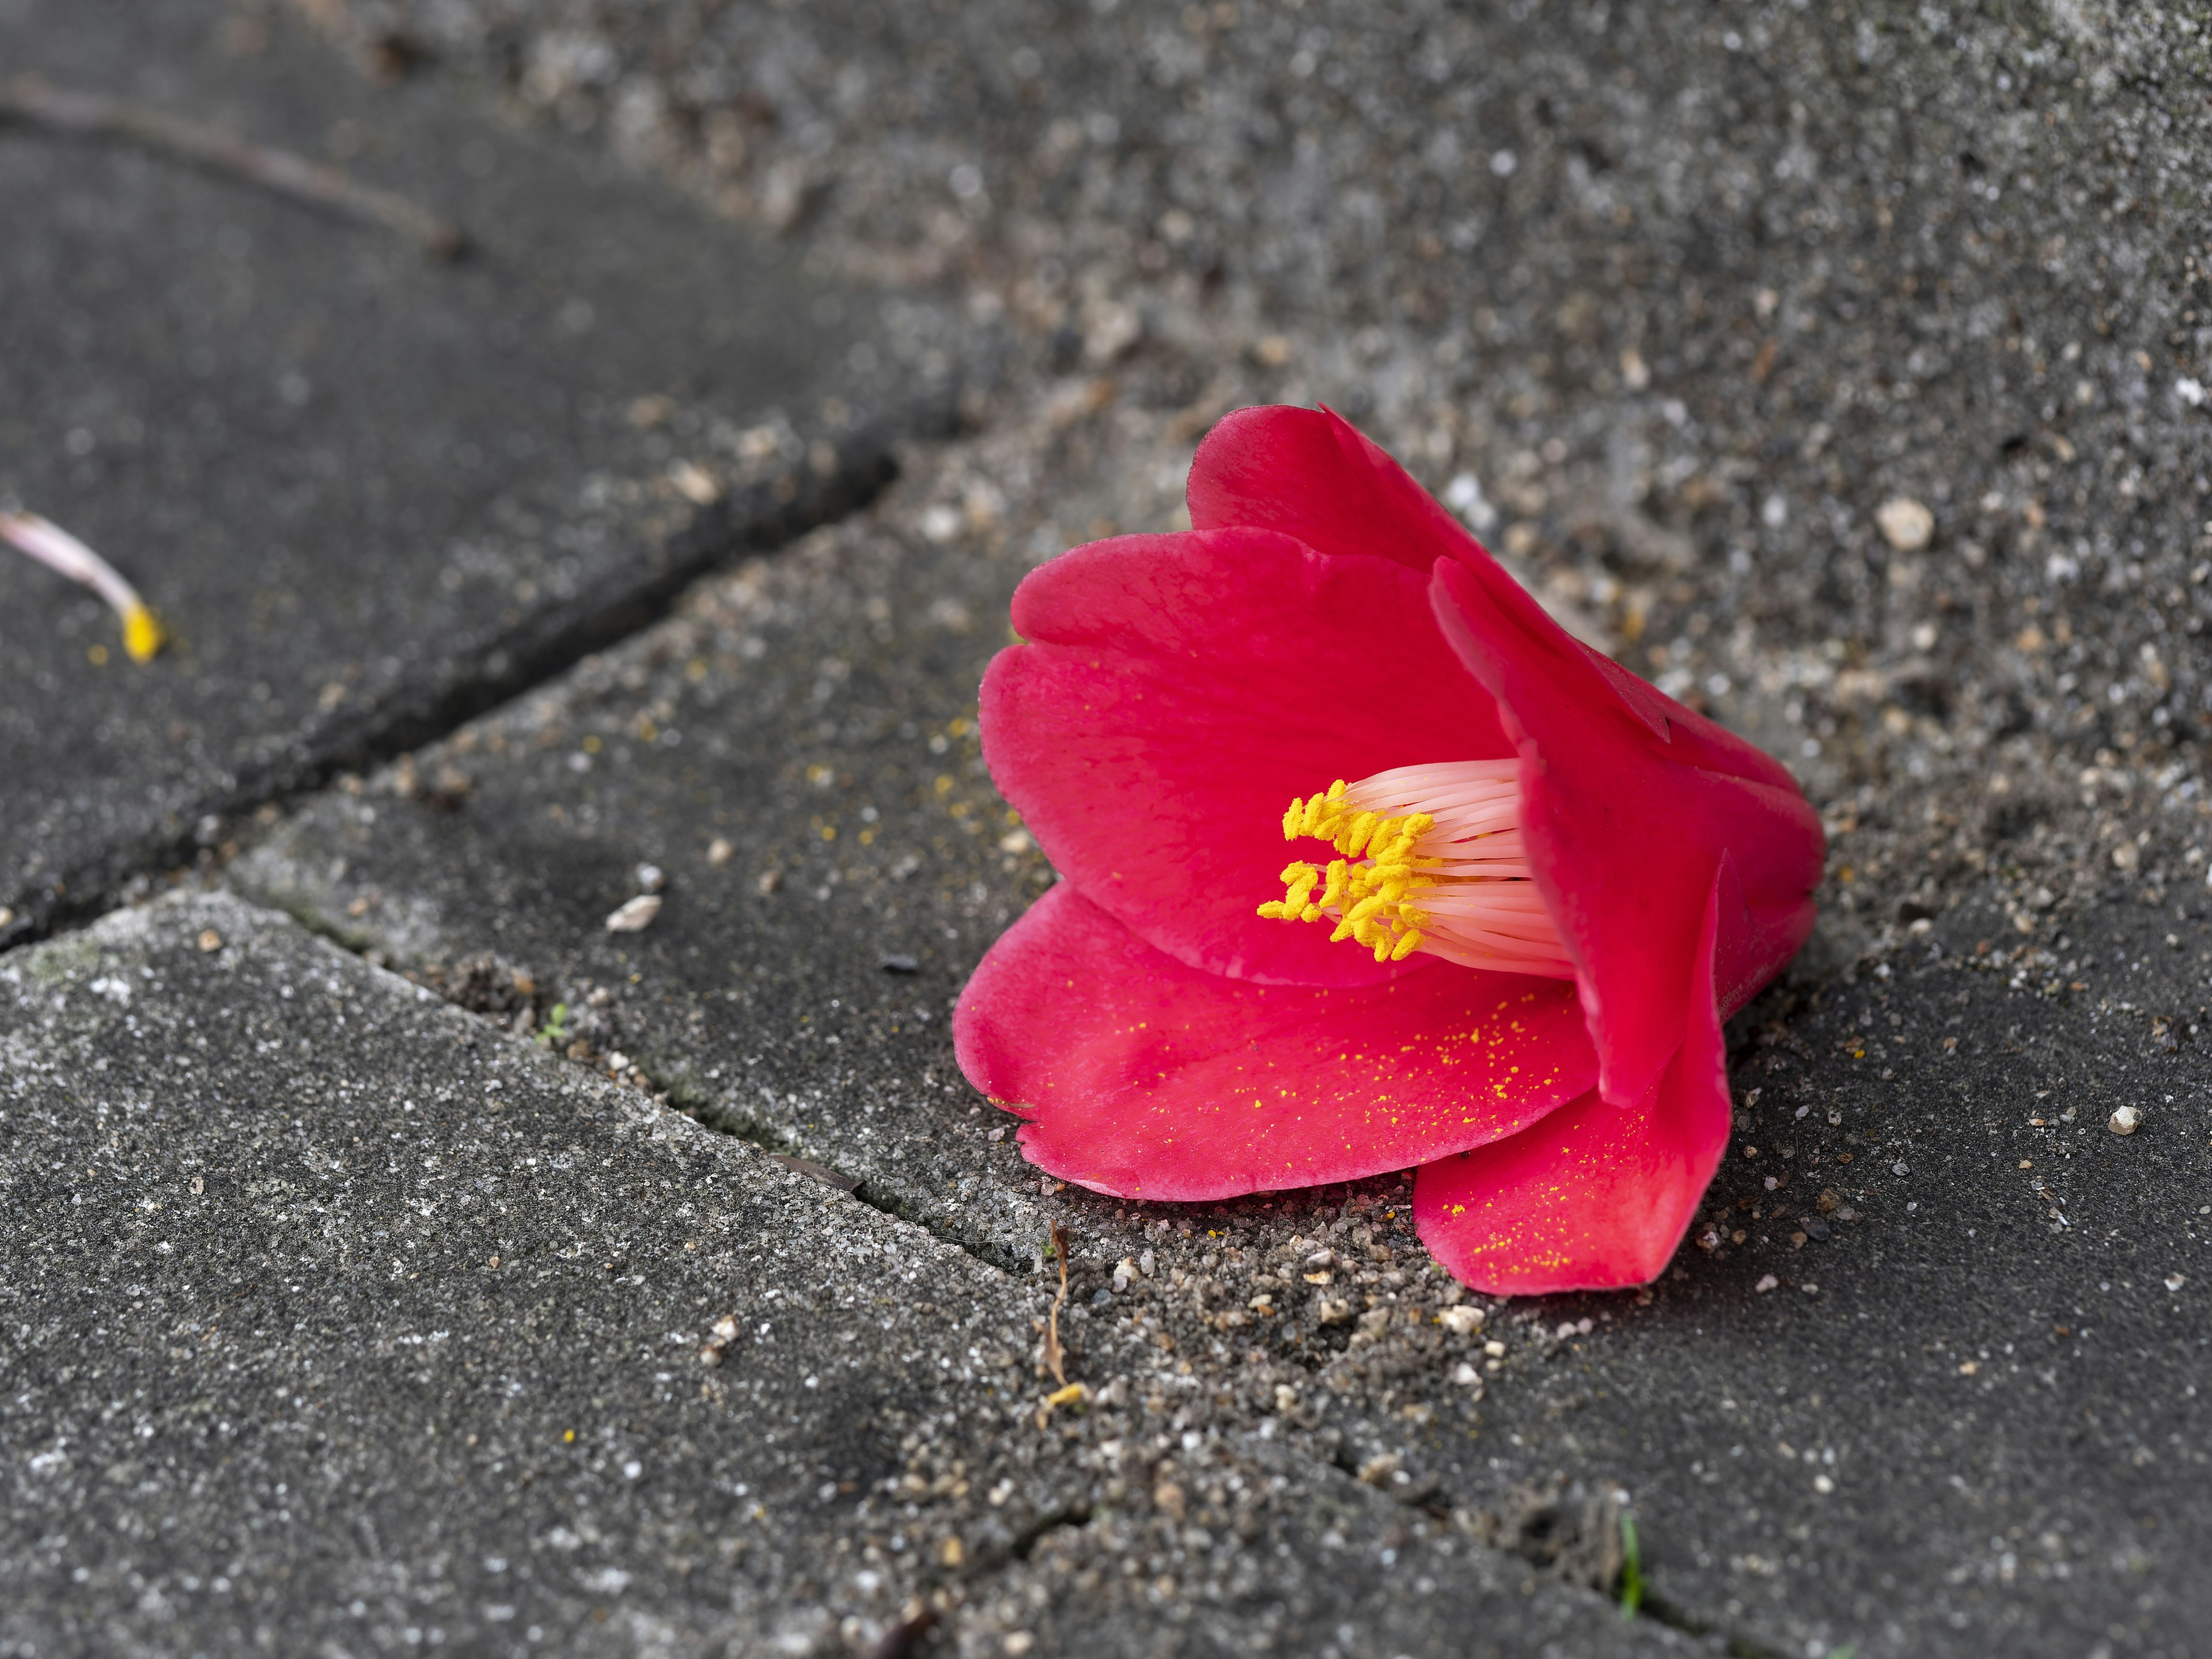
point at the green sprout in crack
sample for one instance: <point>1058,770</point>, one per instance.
<point>554,1033</point>
<point>1631,1570</point>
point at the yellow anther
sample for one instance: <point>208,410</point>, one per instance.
<point>1429,858</point>
<point>1366,907</point>
<point>1364,892</point>
<point>142,633</point>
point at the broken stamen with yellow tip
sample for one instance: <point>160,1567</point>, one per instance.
<point>55,548</point>
<point>1433,860</point>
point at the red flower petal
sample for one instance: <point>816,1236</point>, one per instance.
<point>1628,801</point>
<point>1629,797</point>
<point>1178,692</point>
<point>1148,1079</point>
<point>1595,1196</point>
<point>1309,473</point>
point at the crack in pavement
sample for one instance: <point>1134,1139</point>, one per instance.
<point>760,518</point>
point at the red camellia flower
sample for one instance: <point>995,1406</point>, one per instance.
<point>1524,888</point>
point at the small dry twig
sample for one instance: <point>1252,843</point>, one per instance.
<point>902,1638</point>
<point>29,103</point>
<point>1052,1359</point>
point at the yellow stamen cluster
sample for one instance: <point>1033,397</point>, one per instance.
<point>1372,899</point>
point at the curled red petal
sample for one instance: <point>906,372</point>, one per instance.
<point>1148,1079</point>
<point>1628,802</point>
<point>1309,473</point>
<point>1595,1196</point>
<point>1178,691</point>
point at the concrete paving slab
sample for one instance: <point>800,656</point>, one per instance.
<point>1928,1378</point>
<point>772,1016</point>
<point>339,1322</point>
<point>795,755</point>
<point>1691,297</point>
<point>368,492</point>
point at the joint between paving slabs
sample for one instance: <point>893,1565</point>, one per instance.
<point>912,1634</point>
<point>1550,1530</point>
<point>762,518</point>
<point>1544,1526</point>
<point>709,1115</point>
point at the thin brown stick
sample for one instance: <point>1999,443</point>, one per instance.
<point>29,103</point>
<point>1054,1362</point>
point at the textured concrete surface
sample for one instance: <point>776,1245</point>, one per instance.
<point>2044,1495</point>
<point>368,492</point>
<point>1673,303</point>
<point>336,1322</point>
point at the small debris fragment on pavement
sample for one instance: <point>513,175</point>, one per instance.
<point>821,1172</point>
<point>636,915</point>
<point>55,548</point>
<point>2123,1122</point>
<point>1907,526</point>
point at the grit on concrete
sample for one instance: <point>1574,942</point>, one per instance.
<point>370,493</point>
<point>1676,304</point>
<point>1932,1388</point>
<point>337,1324</point>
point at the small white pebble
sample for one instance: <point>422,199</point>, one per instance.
<point>2175,1281</point>
<point>1460,1321</point>
<point>651,879</point>
<point>2123,1122</point>
<point>1905,525</point>
<point>1766,1282</point>
<point>719,851</point>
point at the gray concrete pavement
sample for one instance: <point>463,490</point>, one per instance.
<point>367,491</point>
<point>335,1322</point>
<point>1673,302</point>
<point>1839,1427</point>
